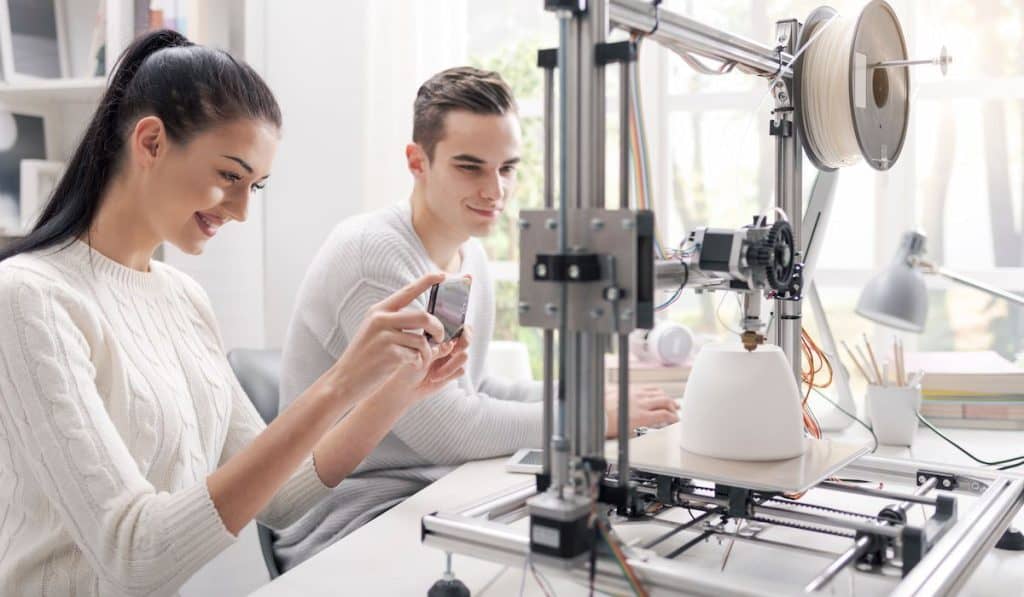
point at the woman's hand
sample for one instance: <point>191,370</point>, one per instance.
<point>382,346</point>
<point>649,406</point>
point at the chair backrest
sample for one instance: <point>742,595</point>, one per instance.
<point>259,372</point>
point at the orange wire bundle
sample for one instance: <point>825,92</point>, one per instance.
<point>817,362</point>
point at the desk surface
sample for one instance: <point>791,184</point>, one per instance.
<point>385,557</point>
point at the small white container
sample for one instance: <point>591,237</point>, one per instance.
<point>892,411</point>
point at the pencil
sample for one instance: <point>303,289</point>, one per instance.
<point>855,361</point>
<point>899,362</point>
<point>867,365</point>
<point>896,360</point>
<point>871,353</point>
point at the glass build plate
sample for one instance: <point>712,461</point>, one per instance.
<point>659,452</point>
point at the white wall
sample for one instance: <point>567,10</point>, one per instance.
<point>346,81</point>
<point>316,63</point>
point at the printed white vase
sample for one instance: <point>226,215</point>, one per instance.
<point>741,405</point>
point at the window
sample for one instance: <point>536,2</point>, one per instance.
<point>959,178</point>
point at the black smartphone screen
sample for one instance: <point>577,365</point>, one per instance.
<point>448,302</point>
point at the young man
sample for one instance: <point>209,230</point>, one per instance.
<point>463,159</point>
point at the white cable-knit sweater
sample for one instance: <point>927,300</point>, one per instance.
<point>116,403</point>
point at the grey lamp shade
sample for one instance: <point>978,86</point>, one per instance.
<point>897,296</point>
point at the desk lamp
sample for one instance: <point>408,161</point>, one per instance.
<point>897,296</point>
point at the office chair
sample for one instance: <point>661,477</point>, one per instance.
<point>258,371</point>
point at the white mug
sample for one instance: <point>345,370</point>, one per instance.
<point>668,343</point>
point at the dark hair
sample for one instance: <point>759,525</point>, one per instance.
<point>189,87</point>
<point>461,88</point>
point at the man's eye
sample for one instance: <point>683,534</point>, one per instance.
<point>258,186</point>
<point>466,168</point>
<point>508,169</point>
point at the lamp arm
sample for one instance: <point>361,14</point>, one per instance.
<point>930,268</point>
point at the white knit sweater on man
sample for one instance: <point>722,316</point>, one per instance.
<point>364,260</point>
<point>116,403</point>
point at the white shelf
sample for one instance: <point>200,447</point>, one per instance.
<point>84,90</point>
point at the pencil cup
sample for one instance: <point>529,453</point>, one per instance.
<point>892,411</point>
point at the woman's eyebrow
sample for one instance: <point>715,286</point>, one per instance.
<point>240,161</point>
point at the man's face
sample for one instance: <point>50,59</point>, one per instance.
<point>473,173</point>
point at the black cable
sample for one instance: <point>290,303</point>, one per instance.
<point>852,416</point>
<point>657,17</point>
<point>1017,460</point>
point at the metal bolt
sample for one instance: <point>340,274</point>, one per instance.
<point>524,307</point>
<point>574,272</point>
<point>541,270</point>
<point>611,294</point>
<point>550,308</point>
<point>597,224</point>
<point>523,223</point>
<point>551,223</point>
<point>626,315</point>
<point>596,313</point>
<point>780,85</point>
<point>947,483</point>
<point>921,479</point>
<point>783,97</point>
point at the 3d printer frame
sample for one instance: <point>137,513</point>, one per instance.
<point>588,273</point>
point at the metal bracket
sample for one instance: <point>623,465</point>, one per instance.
<point>780,128</point>
<point>567,268</point>
<point>945,481</point>
<point>577,7</point>
<point>796,284</point>
<point>611,52</point>
<point>740,503</point>
<point>547,58</point>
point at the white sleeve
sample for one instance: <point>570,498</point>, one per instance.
<point>304,488</point>
<point>138,540</point>
<point>299,493</point>
<point>517,391</point>
<point>457,425</point>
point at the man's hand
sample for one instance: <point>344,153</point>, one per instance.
<point>447,367</point>
<point>649,406</point>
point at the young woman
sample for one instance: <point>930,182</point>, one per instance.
<point>129,455</point>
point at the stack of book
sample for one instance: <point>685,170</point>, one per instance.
<point>671,379</point>
<point>979,390</point>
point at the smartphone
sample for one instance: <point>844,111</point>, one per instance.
<point>527,460</point>
<point>448,302</point>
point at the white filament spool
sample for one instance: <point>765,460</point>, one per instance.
<point>847,110</point>
<point>826,101</point>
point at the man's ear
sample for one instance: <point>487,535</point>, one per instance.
<point>416,159</point>
<point>148,140</point>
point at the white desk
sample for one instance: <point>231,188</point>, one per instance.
<point>385,557</point>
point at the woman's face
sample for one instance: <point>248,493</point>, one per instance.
<point>194,189</point>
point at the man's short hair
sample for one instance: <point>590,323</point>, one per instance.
<point>460,88</point>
